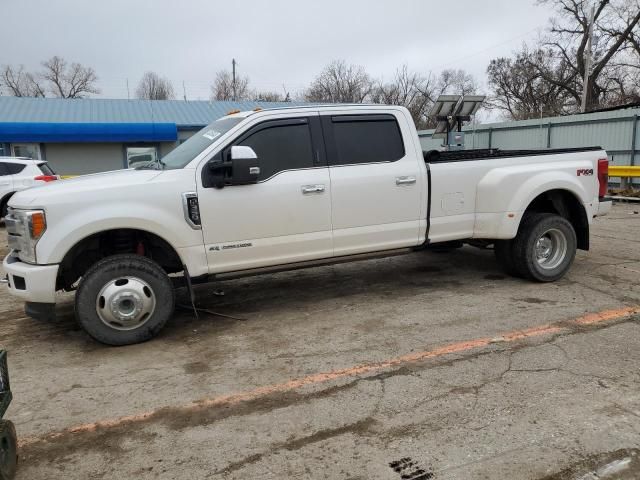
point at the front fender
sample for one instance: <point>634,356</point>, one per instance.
<point>65,231</point>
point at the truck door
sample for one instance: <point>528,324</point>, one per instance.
<point>285,217</point>
<point>377,187</point>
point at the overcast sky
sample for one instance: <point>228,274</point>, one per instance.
<point>275,42</point>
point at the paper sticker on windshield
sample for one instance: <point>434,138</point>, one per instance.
<point>211,134</point>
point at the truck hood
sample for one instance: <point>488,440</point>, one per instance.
<point>41,195</point>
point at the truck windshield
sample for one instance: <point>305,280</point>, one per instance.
<point>183,154</point>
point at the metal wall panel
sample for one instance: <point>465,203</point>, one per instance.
<point>611,130</point>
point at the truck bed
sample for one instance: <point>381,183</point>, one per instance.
<point>436,156</point>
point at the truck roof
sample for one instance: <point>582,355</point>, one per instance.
<point>319,106</point>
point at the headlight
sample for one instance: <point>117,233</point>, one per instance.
<point>24,229</point>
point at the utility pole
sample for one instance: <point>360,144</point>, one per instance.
<point>184,91</point>
<point>588,59</point>
<point>233,73</point>
<point>128,96</point>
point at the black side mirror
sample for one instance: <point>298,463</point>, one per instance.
<point>217,173</point>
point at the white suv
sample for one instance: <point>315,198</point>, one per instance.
<point>18,173</point>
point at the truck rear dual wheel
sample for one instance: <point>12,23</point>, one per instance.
<point>8,450</point>
<point>124,299</point>
<point>543,250</point>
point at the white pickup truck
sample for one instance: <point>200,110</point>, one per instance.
<point>269,190</point>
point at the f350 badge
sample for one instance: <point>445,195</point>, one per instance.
<point>582,172</point>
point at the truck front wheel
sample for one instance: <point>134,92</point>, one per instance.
<point>544,247</point>
<point>124,299</point>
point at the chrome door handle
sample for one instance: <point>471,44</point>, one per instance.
<point>405,180</point>
<point>307,189</point>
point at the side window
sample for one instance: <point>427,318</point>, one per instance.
<point>280,145</point>
<point>3,169</point>
<point>14,168</point>
<point>46,169</point>
<point>365,139</point>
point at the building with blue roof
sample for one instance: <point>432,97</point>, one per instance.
<point>89,135</point>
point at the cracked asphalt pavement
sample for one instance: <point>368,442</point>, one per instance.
<point>224,398</point>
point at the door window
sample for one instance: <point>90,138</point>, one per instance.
<point>364,139</point>
<point>137,156</point>
<point>28,150</point>
<point>14,168</point>
<point>280,145</point>
<point>3,169</point>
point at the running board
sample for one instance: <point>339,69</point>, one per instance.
<point>311,263</point>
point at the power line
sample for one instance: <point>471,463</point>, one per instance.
<point>490,47</point>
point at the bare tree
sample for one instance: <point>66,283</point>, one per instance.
<point>223,87</point>
<point>456,82</point>
<point>614,23</point>
<point>340,83</point>
<point>154,87</point>
<point>520,91</point>
<point>268,96</point>
<point>409,89</point>
<point>20,83</point>
<point>68,81</point>
<point>550,75</point>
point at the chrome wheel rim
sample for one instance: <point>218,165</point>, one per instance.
<point>551,249</point>
<point>125,303</point>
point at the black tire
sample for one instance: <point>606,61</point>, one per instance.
<point>3,209</point>
<point>8,450</point>
<point>123,268</point>
<point>503,250</point>
<point>532,228</point>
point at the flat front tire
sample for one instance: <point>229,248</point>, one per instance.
<point>8,450</point>
<point>544,247</point>
<point>124,299</point>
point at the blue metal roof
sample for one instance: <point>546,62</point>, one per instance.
<point>183,114</point>
<point>46,132</point>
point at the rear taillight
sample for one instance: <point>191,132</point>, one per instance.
<point>603,176</point>
<point>46,178</point>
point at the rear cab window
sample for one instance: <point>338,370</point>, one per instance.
<point>357,139</point>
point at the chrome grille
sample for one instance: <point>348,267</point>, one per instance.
<point>15,230</point>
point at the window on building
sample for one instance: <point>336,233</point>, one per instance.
<point>28,150</point>
<point>137,156</point>
<point>281,146</point>
<point>366,139</point>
